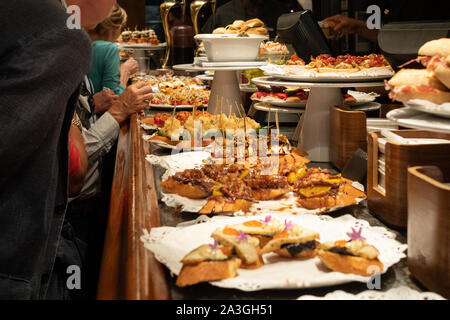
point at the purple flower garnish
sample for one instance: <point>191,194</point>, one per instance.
<point>242,236</point>
<point>215,245</point>
<point>356,235</point>
<point>288,225</point>
<point>267,219</point>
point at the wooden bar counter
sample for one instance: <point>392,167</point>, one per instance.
<point>129,271</point>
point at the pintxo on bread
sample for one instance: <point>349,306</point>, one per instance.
<point>354,256</point>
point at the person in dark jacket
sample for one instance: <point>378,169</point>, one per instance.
<point>42,63</point>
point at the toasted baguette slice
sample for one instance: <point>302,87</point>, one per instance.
<point>185,190</point>
<point>253,23</point>
<point>164,139</point>
<point>350,264</point>
<point>269,194</point>
<point>208,271</point>
<point>220,30</point>
<point>293,99</point>
<point>346,196</point>
<point>221,205</point>
<point>438,47</point>
<point>259,30</point>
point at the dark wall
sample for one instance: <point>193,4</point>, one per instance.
<point>136,13</point>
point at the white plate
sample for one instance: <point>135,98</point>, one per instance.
<point>131,45</point>
<point>370,106</point>
<point>171,244</point>
<point>169,106</point>
<point>362,97</point>
<point>410,118</point>
<point>164,145</point>
<point>281,103</point>
<point>264,107</point>
<point>380,124</point>
<point>299,73</point>
<point>207,64</point>
<point>245,87</point>
<point>442,110</point>
<point>205,77</point>
<point>274,81</point>
<point>399,293</point>
<point>149,126</point>
<point>193,68</point>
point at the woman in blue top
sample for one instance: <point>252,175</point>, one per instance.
<point>105,70</point>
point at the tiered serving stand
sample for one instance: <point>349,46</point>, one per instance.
<point>314,127</point>
<point>225,85</point>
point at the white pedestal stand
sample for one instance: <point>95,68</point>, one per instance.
<point>225,86</point>
<point>314,126</point>
<point>315,131</point>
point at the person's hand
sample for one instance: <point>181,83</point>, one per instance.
<point>127,69</point>
<point>344,25</point>
<point>134,99</point>
<point>130,66</point>
<point>104,100</point>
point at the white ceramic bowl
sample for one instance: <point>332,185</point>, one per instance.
<point>230,47</point>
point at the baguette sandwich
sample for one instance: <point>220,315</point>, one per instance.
<point>435,55</point>
<point>410,84</point>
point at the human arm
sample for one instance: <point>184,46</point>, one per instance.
<point>103,100</point>
<point>134,99</point>
<point>127,69</point>
<point>345,25</point>
<point>78,161</point>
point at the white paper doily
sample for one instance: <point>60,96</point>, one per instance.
<point>190,160</point>
<point>399,293</point>
<point>171,244</point>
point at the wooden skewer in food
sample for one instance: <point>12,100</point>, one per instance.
<point>173,117</point>
<point>239,110</point>
<point>276,122</point>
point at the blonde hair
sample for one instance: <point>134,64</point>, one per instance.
<point>117,18</point>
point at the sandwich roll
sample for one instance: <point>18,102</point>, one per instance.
<point>410,84</point>
<point>442,71</point>
<point>253,23</point>
<point>438,47</point>
<point>435,55</point>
